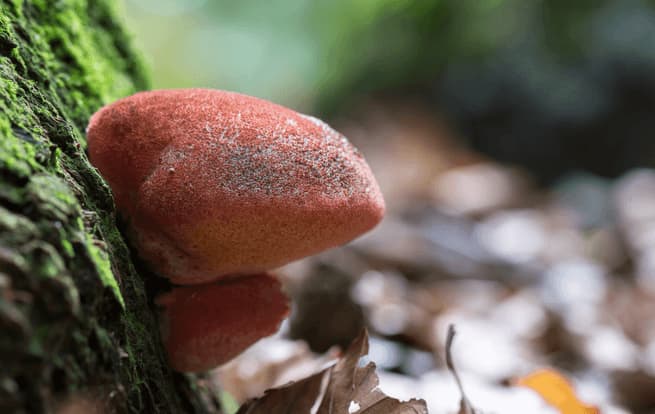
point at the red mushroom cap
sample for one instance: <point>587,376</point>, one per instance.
<point>206,325</point>
<point>216,183</point>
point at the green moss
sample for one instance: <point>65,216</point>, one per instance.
<point>66,245</point>
<point>16,155</point>
<point>103,337</point>
<point>49,263</point>
<point>15,229</point>
<point>35,345</point>
<point>103,266</point>
<point>59,62</point>
<point>53,196</point>
<point>228,402</point>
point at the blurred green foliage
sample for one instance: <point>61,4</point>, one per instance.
<point>312,54</point>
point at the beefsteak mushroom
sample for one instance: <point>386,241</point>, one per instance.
<point>217,188</point>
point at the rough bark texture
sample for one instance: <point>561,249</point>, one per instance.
<point>76,325</point>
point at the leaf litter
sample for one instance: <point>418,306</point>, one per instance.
<point>345,387</point>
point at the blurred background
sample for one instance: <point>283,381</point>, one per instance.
<point>513,142</point>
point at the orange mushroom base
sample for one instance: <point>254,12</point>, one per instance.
<point>204,326</point>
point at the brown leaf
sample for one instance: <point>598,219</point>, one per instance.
<point>295,397</point>
<point>344,388</point>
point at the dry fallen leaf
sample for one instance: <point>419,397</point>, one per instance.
<point>296,397</point>
<point>270,363</point>
<point>342,388</point>
<point>557,391</point>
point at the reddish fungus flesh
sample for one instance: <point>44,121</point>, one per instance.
<point>216,183</point>
<point>218,187</point>
<point>204,326</point>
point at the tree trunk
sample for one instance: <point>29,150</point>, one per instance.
<point>77,329</point>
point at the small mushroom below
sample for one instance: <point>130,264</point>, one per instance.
<point>204,326</point>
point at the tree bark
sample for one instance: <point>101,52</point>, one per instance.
<point>77,329</point>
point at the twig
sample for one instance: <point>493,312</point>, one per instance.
<point>465,406</point>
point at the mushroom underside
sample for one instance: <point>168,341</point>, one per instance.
<point>206,325</point>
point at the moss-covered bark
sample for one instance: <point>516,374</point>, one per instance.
<point>75,321</point>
